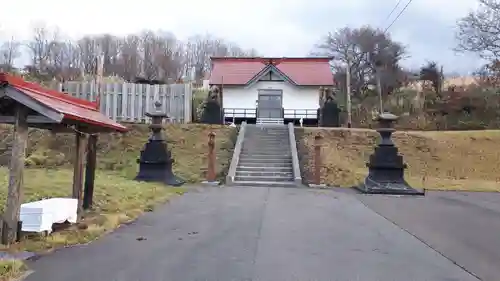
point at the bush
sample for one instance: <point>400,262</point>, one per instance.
<point>472,108</point>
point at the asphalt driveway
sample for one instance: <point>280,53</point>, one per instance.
<point>265,234</point>
<point>464,227</point>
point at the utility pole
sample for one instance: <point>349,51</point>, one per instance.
<point>379,88</point>
<point>348,90</point>
<point>377,65</point>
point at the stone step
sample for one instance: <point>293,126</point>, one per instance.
<point>267,135</point>
<point>265,153</point>
<point>264,183</point>
<point>270,128</point>
<point>265,165</point>
<point>264,144</point>
<point>276,151</point>
<point>268,131</point>
<point>264,178</point>
<point>277,140</point>
<point>266,174</point>
<point>265,161</point>
<point>266,147</point>
<point>264,169</point>
<point>265,156</point>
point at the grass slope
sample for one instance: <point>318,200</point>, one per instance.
<point>453,160</point>
<point>118,199</point>
<point>118,153</point>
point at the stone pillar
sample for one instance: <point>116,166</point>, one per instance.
<point>317,159</point>
<point>386,167</point>
<point>155,162</point>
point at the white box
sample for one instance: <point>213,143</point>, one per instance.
<point>39,216</point>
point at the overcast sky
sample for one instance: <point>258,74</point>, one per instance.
<point>273,27</point>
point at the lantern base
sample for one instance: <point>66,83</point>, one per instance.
<point>371,186</point>
<point>155,164</point>
<point>158,173</point>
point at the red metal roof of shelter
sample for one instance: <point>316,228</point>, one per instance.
<point>72,108</point>
<point>309,71</point>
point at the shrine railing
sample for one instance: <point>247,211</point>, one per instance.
<point>287,113</point>
<point>240,113</point>
<point>301,113</point>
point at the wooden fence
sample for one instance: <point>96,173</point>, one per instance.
<point>128,102</point>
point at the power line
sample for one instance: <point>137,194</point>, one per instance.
<point>397,17</point>
<point>393,9</point>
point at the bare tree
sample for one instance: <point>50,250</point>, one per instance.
<point>9,52</point>
<point>40,46</point>
<point>130,58</point>
<point>489,75</point>
<point>150,50</point>
<point>150,55</point>
<point>169,56</point>
<point>362,49</point>
<point>200,48</point>
<point>89,50</point>
<point>479,31</point>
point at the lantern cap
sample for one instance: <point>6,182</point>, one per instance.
<point>158,112</point>
<point>387,116</point>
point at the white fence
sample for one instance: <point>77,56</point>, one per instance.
<point>128,102</point>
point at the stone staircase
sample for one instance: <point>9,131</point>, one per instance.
<point>265,121</point>
<point>266,157</point>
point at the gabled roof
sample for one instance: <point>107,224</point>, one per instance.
<point>60,107</point>
<point>307,71</point>
<point>269,68</point>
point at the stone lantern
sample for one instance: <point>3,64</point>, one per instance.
<point>386,166</point>
<point>155,162</point>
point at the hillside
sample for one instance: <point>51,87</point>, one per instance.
<point>458,160</point>
<point>118,198</point>
<point>118,153</point>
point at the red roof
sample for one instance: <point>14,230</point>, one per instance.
<point>72,108</point>
<point>301,71</point>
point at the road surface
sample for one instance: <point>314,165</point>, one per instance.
<point>464,227</point>
<point>265,234</point>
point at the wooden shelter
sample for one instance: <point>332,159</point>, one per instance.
<point>26,104</point>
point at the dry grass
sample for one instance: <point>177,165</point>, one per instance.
<point>454,160</point>
<point>11,269</point>
<point>117,199</point>
<point>118,153</point>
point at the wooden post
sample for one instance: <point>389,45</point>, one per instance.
<point>11,216</point>
<point>348,90</point>
<point>211,157</point>
<point>78,170</point>
<point>88,192</point>
<point>317,159</point>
